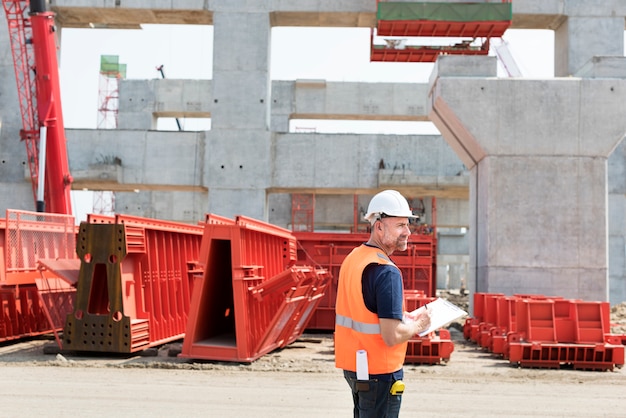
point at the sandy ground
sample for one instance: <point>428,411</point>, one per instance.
<point>297,381</point>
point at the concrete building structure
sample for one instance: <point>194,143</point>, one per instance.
<point>537,176</point>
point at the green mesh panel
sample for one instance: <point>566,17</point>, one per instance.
<point>450,12</point>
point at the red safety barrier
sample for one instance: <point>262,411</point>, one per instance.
<point>26,238</point>
<point>134,284</point>
<point>328,250</point>
<point>252,297</point>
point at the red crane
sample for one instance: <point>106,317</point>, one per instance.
<point>34,49</point>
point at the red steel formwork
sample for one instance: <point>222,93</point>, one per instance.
<point>547,332</point>
<point>134,284</point>
<point>472,327</point>
<point>430,349</point>
<point>252,298</point>
<point>30,295</point>
<point>419,20</point>
<point>328,250</point>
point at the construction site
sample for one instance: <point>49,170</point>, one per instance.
<point>212,254</point>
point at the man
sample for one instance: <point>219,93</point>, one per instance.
<point>370,310</point>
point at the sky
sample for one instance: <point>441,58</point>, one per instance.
<point>185,51</point>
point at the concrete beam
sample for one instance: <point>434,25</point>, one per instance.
<point>141,101</point>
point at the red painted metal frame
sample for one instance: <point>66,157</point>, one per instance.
<point>252,298</point>
<point>435,348</point>
<point>328,250</point>
<point>134,285</point>
<point>442,28</point>
<point>434,28</point>
<point>423,53</point>
<point>546,332</point>
<point>27,238</point>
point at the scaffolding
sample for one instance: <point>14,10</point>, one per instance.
<point>111,72</point>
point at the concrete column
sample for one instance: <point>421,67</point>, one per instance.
<point>454,276</point>
<point>537,152</point>
<point>238,149</point>
<point>578,39</point>
<point>442,276</point>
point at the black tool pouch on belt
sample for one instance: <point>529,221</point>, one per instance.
<point>362,385</point>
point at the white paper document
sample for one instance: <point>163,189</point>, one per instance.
<point>442,313</point>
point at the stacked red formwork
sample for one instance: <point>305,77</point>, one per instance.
<point>505,321</point>
<point>134,283</point>
<point>550,332</point>
<point>32,297</point>
<point>328,250</point>
<point>252,297</point>
<point>474,325</point>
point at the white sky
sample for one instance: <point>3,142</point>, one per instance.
<point>185,51</point>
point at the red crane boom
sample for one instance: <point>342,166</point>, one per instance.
<point>34,49</point>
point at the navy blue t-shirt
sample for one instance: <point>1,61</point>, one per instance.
<point>382,290</point>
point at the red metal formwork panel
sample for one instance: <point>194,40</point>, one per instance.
<point>415,299</point>
<point>328,250</point>
<point>416,264</point>
<point>290,319</point>
<point>252,297</point>
<point>505,323</point>
<point>491,316</point>
<point>592,321</point>
<point>430,350</point>
<point>26,238</point>
<point>419,28</point>
<point>536,320</point>
<point>10,321</point>
<point>22,313</point>
<point>134,285</point>
<point>599,357</point>
<point>472,328</point>
<point>424,53</point>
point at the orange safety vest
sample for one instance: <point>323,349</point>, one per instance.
<point>356,327</point>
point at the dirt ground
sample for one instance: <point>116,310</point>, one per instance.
<point>297,381</point>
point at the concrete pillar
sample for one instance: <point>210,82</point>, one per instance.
<point>454,276</point>
<point>240,112</point>
<point>442,276</point>
<point>578,39</point>
<point>537,152</point>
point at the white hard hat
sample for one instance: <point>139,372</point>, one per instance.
<point>389,203</point>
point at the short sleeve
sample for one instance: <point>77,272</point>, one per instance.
<point>383,290</point>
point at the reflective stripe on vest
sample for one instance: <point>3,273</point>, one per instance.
<point>357,326</point>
